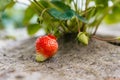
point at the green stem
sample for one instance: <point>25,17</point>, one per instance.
<point>78,24</point>
<point>110,39</point>
<point>43,11</point>
<point>75,5</point>
<point>97,25</point>
<point>82,4</point>
<point>39,4</point>
<point>100,20</point>
<point>64,27</point>
<point>86,11</point>
<point>85,15</point>
<point>86,7</point>
<point>106,12</point>
<point>38,8</point>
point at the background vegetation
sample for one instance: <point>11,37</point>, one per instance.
<point>60,17</point>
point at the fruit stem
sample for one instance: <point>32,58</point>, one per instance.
<point>38,4</point>
<point>107,39</point>
<point>101,19</point>
<point>78,24</point>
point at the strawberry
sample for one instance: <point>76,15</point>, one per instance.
<point>46,47</point>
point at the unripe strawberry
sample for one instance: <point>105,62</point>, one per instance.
<point>46,47</point>
<point>83,38</point>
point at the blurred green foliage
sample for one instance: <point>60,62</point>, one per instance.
<point>6,4</point>
<point>62,16</point>
<point>3,5</point>
<point>114,15</point>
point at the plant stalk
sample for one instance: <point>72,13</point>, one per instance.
<point>85,15</point>
<point>107,39</point>
<point>105,13</point>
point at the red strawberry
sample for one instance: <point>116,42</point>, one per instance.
<point>46,47</point>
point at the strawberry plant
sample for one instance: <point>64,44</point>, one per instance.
<point>60,17</point>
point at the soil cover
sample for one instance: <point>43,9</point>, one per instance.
<point>97,61</point>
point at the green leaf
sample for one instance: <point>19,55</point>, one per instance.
<point>81,18</point>
<point>114,16</point>
<point>55,13</point>
<point>57,4</point>
<point>11,4</point>
<point>102,3</point>
<point>66,15</point>
<point>60,5</point>
<point>5,3</point>
<point>33,28</point>
<point>45,4</point>
<point>29,13</point>
<point>68,1</point>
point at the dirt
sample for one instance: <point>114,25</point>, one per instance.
<point>97,61</point>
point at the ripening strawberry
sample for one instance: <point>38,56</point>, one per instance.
<point>46,47</point>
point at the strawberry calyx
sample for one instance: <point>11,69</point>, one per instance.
<point>52,36</point>
<point>40,57</point>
